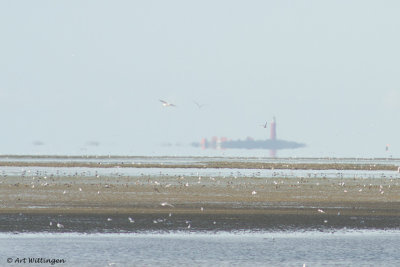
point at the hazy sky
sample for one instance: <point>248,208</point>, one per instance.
<point>74,72</point>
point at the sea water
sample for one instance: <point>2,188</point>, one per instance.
<point>309,248</point>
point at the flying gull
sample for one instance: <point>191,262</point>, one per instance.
<point>199,105</point>
<point>167,104</point>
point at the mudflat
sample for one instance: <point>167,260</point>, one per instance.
<point>119,203</point>
<point>207,195</point>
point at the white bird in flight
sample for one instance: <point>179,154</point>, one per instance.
<point>264,125</point>
<point>167,104</point>
<point>199,105</point>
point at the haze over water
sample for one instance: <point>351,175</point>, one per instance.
<point>75,74</point>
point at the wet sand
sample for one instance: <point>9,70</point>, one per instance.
<point>174,202</point>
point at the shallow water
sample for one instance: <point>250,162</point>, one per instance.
<point>196,159</point>
<point>345,248</point>
<point>211,172</point>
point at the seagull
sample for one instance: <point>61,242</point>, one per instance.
<point>264,125</point>
<point>321,211</point>
<point>199,105</point>
<point>167,204</point>
<point>59,225</point>
<point>166,104</point>
<point>131,220</point>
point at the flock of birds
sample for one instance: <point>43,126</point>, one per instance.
<point>45,179</point>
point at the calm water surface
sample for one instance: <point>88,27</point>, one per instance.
<point>196,159</point>
<point>343,248</point>
<point>231,172</point>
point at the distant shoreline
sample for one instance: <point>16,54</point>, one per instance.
<point>202,165</point>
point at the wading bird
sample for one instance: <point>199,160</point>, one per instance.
<point>166,204</point>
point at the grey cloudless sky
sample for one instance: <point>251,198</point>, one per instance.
<point>77,72</point>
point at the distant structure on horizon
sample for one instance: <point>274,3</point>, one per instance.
<point>273,144</point>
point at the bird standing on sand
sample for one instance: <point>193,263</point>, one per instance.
<point>167,104</point>
<point>166,204</point>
